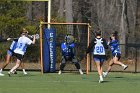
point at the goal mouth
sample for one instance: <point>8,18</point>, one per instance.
<point>80,31</point>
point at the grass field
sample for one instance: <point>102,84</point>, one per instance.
<point>34,82</point>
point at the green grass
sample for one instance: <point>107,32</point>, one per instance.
<point>34,82</point>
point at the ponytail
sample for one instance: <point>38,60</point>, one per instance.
<point>115,34</point>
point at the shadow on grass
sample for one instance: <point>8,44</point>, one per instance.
<point>21,75</point>
<point>28,75</point>
<point>106,81</point>
<point>119,77</point>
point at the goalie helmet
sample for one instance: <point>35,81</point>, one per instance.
<point>69,39</point>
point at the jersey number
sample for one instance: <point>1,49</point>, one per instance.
<point>99,49</point>
<point>20,45</point>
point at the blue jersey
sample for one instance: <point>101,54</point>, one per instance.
<point>13,45</point>
<point>68,49</point>
<point>115,48</point>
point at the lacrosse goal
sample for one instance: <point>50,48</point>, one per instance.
<point>80,31</point>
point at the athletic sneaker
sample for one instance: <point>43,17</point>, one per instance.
<point>100,81</point>
<point>105,74</point>
<point>60,72</point>
<point>25,73</point>
<point>125,67</point>
<point>1,74</point>
<point>81,72</point>
<point>9,73</point>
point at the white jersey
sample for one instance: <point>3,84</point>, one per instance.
<point>99,48</point>
<point>22,45</point>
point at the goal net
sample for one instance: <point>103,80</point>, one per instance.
<point>79,31</point>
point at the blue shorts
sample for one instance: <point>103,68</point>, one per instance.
<point>96,59</point>
<point>9,52</point>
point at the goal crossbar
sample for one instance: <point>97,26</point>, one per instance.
<point>64,23</point>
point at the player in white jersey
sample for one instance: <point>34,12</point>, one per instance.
<point>98,46</point>
<point>20,50</point>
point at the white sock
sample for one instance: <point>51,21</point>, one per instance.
<point>80,70</point>
<point>101,77</point>
<point>0,70</point>
<point>23,70</point>
<point>12,70</point>
<point>122,65</point>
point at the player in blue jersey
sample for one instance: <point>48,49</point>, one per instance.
<point>3,40</point>
<point>20,50</point>
<point>68,53</point>
<point>10,53</point>
<point>116,53</point>
<point>97,47</point>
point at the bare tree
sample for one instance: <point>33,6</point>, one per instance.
<point>123,27</point>
<point>61,8</point>
<point>69,14</point>
<point>29,11</point>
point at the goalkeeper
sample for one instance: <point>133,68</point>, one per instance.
<point>68,53</point>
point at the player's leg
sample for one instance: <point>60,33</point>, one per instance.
<point>116,61</point>
<point>7,61</point>
<point>75,61</point>
<point>109,68</point>
<point>8,56</point>
<point>99,71</point>
<point>99,68</point>
<point>18,62</point>
<point>62,65</point>
<point>23,69</point>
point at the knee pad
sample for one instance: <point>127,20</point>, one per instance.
<point>77,65</point>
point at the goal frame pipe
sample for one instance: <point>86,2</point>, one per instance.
<point>41,48</point>
<point>41,41</point>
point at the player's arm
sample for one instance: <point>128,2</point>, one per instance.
<point>62,47</point>
<point>29,41</point>
<point>105,44</point>
<point>34,39</point>
<point>91,45</point>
